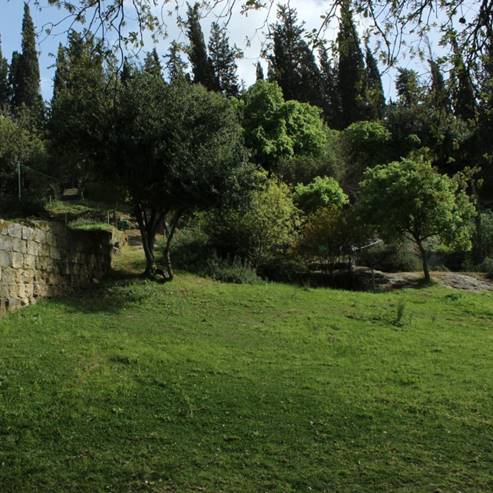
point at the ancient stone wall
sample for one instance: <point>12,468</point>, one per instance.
<point>43,259</point>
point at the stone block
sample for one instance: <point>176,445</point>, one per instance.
<point>17,260</point>
<point>5,258</point>
<point>15,230</point>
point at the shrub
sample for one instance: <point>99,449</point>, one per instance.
<point>390,258</point>
<point>323,191</point>
<point>235,271</point>
<point>260,227</point>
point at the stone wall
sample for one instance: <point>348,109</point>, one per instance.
<point>43,259</point>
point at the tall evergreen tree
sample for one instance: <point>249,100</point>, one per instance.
<point>330,90</point>
<point>439,96</point>
<point>408,87</point>
<point>376,97</point>
<point>259,72</point>
<point>351,68</point>
<point>464,99</point>
<point>4,81</point>
<point>152,64</point>
<point>26,88</point>
<point>14,75</point>
<point>61,71</point>
<point>176,67</point>
<point>202,69</point>
<point>223,59</point>
<point>292,63</point>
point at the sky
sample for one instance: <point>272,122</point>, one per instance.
<point>240,29</point>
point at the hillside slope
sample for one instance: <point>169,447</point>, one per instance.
<point>201,386</point>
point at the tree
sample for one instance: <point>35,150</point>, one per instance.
<point>223,60</point>
<point>292,63</point>
<point>331,100</point>
<point>259,72</point>
<point>352,75</point>
<point>464,99</point>
<point>78,111</point>
<point>25,72</point>
<point>176,67</point>
<point>376,97</point>
<point>152,64</point>
<point>363,145</point>
<point>4,81</point>
<point>410,199</point>
<point>257,228</point>
<point>173,149</point>
<point>203,72</point>
<point>323,191</point>
<point>19,147</point>
<point>61,72</point>
<point>276,130</point>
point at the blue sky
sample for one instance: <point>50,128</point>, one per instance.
<point>240,28</point>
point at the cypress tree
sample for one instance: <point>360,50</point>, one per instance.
<point>291,61</point>
<point>176,67</point>
<point>127,71</point>
<point>439,97</point>
<point>61,72</point>
<point>26,90</point>
<point>202,69</point>
<point>259,72</point>
<point>351,70</point>
<point>4,81</point>
<point>152,64</point>
<point>409,90</point>
<point>223,61</point>
<point>376,98</point>
<point>14,76</point>
<point>330,90</point>
<point>464,99</point>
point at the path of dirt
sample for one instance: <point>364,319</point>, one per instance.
<point>466,281</point>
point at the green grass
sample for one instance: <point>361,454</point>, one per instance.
<point>82,225</point>
<point>198,386</point>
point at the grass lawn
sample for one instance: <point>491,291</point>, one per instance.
<point>198,386</point>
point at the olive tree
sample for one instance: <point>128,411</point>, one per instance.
<point>174,148</point>
<point>410,199</point>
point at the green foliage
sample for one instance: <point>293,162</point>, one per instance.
<point>5,92</point>
<point>304,169</point>
<point>223,60</point>
<point>291,61</point>
<point>363,144</point>
<point>203,72</point>
<point>174,148</point>
<point>323,191</point>
<point>376,96</point>
<point>20,146</point>
<point>80,109</point>
<point>352,83</point>
<point>411,199</point>
<point>277,130</point>
<point>258,228</point>
<point>329,234</point>
<point>25,70</point>
<point>237,270</point>
<point>176,67</point>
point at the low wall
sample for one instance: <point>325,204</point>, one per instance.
<point>43,259</point>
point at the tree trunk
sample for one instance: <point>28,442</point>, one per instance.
<point>148,226</point>
<point>424,260</point>
<point>169,230</point>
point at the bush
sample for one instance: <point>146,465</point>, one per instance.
<point>390,258</point>
<point>235,271</point>
<point>323,191</point>
<point>487,267</point>
<point>257,229</point>
<point>290,269</point>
